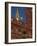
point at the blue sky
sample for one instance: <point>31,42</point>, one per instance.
<point>21,11</point>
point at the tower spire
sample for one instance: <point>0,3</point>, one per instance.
<point>17,15</point>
